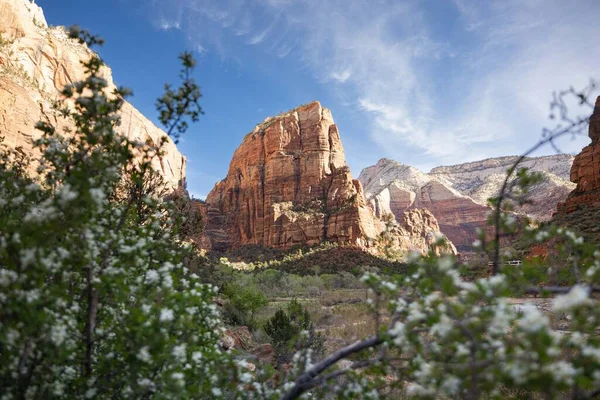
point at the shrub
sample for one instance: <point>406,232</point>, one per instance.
<point>286,331</point>
<point>243,303</point>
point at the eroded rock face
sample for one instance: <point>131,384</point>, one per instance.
<point>585,172</point>
<point>421,226</point>
<point>36,62</point>
<point>288,184</point>
<point>457,195</point>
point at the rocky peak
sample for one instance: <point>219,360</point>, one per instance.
<point>389,172</point>
<point>36,62</point>
<point>288,184</point>
<point>20,17</point>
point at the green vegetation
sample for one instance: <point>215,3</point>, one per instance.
<point>292,331</point>
<point>242,305</point>
<point>329,257</point>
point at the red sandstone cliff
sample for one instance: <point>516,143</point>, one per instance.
<point>288,184</point>
<point>585,172</point>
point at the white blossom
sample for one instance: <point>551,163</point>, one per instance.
<point>415,389</point>
<point>578,295</point>
<point>562,371</point>
<point>398,333</point>
<point>152,276</point>
<point>179,377</point>
<point>144,354</point>
<point>443,327</point>
<point>450,385</point>
<point>97,195</point>
<point>179,352</point>
<point>166,315</point>
<point>147,384</point>
<point>532,320</point>
<point>445,263</point>
<point>196,356</point>
<point>58,333</point>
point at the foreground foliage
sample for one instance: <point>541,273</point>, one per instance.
<point>95,300</point>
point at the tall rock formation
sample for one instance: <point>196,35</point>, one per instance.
<point>288,184</point>
<point>581,210</point>
<point>36,62</point>
<point>457,195</point>
<point>585,172</point>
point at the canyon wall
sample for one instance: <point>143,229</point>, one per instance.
<point>36,62</point>
<point>585,172</point>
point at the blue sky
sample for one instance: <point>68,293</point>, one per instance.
<point>426,83</point>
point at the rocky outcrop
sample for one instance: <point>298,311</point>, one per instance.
<point>418,229</point>
<point>580,212</point>
<point>457,195</point>
<point>288,184</point>
<point>585,172</point>
<point>36,62</point>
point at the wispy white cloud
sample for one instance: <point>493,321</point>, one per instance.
<point>341,76</point>
<point>165,26</point>
<point>478,87</point>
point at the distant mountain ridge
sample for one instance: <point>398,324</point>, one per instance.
<point>457,194</point>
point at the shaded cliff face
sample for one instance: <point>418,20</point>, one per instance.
<point>457,195</point>
<point>581,210</point>
<point>288,184</point>
<point>585,172</point>
<point>36,62</point>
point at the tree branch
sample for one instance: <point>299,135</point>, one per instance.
<point>300,386</point>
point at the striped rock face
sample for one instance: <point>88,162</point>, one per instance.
<point>457,195</point>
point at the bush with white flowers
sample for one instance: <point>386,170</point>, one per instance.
<point>94,299</point>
